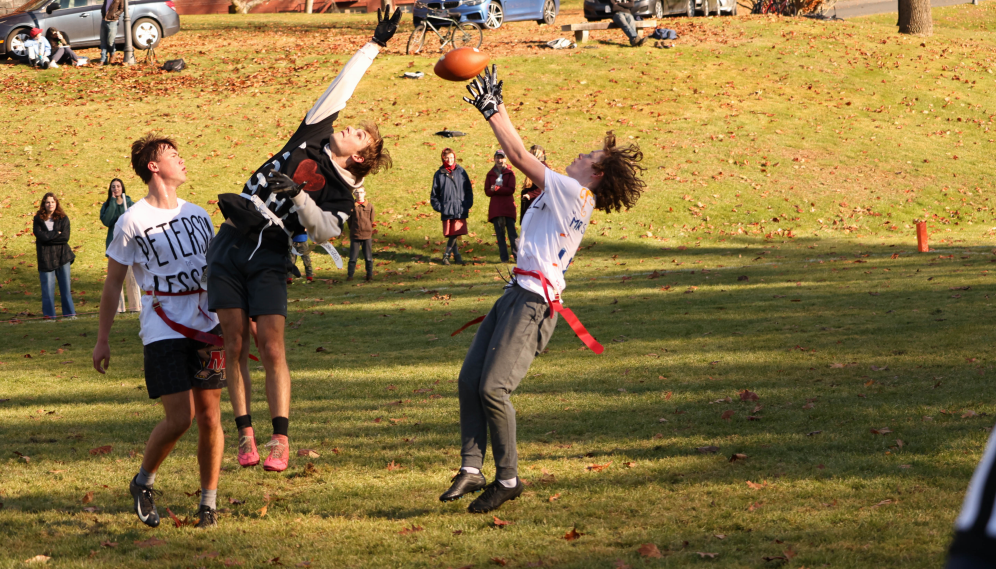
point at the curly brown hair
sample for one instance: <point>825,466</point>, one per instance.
<point>57,214</point>
<point>375,157</point>
<point>621,185</point>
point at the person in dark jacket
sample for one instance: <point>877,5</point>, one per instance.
<point>530,191</point>
<point>116,205</point>
<point>110,11</point>
<point>61,52</point>
<point>452,196</point>
<point>499,185</point>
<point>361,233</point>
<point>51,230</point>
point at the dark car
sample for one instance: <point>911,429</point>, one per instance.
<point>595,10</point>
<point>79,21</point>
<point>489,13</point>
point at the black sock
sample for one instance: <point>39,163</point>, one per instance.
<point>280,425</point>
<point>243,422</point>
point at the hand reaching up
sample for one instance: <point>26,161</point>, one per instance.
<point>386,27</point>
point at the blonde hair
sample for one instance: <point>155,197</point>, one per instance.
<point>540,154</point>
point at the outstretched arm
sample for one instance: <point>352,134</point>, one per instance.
<point>486,91</point>
<point>334,98</point>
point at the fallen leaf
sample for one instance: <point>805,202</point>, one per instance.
<point>308,453</point>
<point>756,486</point>
<point>230,562</point>
<point>393,466</point>
<point>598,467</point>
<point>876,368</point>
<point>320,349</point>
<point>755,506</point>
<point>499,561</point>
<point>275,561</point>
<point>100,450</point>
<point>720,536</point>
<point>573,534</point>
<point>500,523</point>
<point>900,443</point>
<point>808,406</point>
<point>554,497</point>
<point>789,554</point>
<point>968,414</point>
<point>746,395</point>
<point>882,431</point>
<point>650,550</point>
<point>775,558</point>
<point>703,554</point>
<point>738,456</point>
<point>262,511</point>
<point>173,517</point>
<point>707,450</point>
<point>811,433</point>
<point>885,502</point>
<point>38,559</point>
<point>629,464</point>
<point>727,415</point>
<point>411,530</point>
<point>88,497</point>
<point>236,501</point>
<point>151,542</point>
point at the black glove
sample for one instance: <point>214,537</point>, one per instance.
<point>483,95</point>
<point>386,27</point>
<point>280,183</point>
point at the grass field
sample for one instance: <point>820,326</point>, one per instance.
<point>797,154</point>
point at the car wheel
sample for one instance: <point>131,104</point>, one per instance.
<point>549,13</point>
<point>146,33</point>
<point>658,9</point>
<point>495,17</point>
<point>15,44</point>
<point>690,9</point>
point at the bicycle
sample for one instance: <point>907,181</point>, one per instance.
<point>462,34</point>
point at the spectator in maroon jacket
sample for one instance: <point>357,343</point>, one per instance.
<point>530,191</point>
<point>499,185</point>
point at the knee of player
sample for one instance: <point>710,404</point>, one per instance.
<point>491,394</point>
<point>179,423</point>
<point>272,350</point>
<point>208,418</point>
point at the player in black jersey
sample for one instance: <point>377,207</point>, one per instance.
<point>306,187</point>
<point>974,545</point>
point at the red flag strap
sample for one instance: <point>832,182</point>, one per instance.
<point>186,331</point>
<point>556,307</point>
<point>477,320</point>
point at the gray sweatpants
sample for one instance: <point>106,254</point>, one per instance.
<point>515,331</point>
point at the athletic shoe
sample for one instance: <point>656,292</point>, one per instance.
<point>464,483</point>
<point>248,455</point>
<point>207,517</point>
<point>494,496</point>
<point>53,65</point>
<point>446,260</point>
<point>637,42</point>
<point>309,279</point>
<point>145,502</point>
<point>279,454</point>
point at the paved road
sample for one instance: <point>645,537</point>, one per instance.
<point>853,9</point>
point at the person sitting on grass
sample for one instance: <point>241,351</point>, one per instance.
<point>361,234</point>
<point>39,50</point>
<point>63,53</point>
<point>521,322</point>
<point>452,196</point>
<point>164,240</point>
<point>305,187</point>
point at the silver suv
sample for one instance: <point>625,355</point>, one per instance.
<point>79,21</point>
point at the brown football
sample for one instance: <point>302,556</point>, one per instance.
<point>461,64</point>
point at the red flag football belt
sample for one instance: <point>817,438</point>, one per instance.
<point>186,331</point>
<point>555,307</point>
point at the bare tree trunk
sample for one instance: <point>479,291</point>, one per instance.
<point>915,18</point>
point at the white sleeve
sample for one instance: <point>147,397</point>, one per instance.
<point>321,225</point>
<point>342,87</point>
<point>122,247</point>
<point>562,191</point>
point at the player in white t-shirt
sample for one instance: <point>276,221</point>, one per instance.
<point>520,324</point>
<point>164,240</point>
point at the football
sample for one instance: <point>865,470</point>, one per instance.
<point>461,64</point>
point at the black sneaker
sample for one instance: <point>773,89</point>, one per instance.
<point>464,483</point>
<point>208,517</point>
<point>145,503</point>
<point>494,496</point>
<point>637,42</point>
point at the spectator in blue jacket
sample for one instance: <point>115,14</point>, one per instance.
<point>39,50</point>
<point>452,196</point>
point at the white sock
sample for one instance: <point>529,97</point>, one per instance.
<point>470,469</point>
<point>509,483</point>
<point>209,498</point>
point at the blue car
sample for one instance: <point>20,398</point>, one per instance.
<point>79,21</point>
<point>489,13</point>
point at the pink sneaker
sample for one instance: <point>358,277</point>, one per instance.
<point>279,454</point>
<point>248,456</point>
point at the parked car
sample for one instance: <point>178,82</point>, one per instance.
<point>79,21</point>
<point>595,10</point>
<point>490,13</point>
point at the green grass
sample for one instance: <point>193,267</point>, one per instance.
<point>840,327</point>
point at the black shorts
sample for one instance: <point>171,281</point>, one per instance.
<point>173,366</point>
<point>258,285</point>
